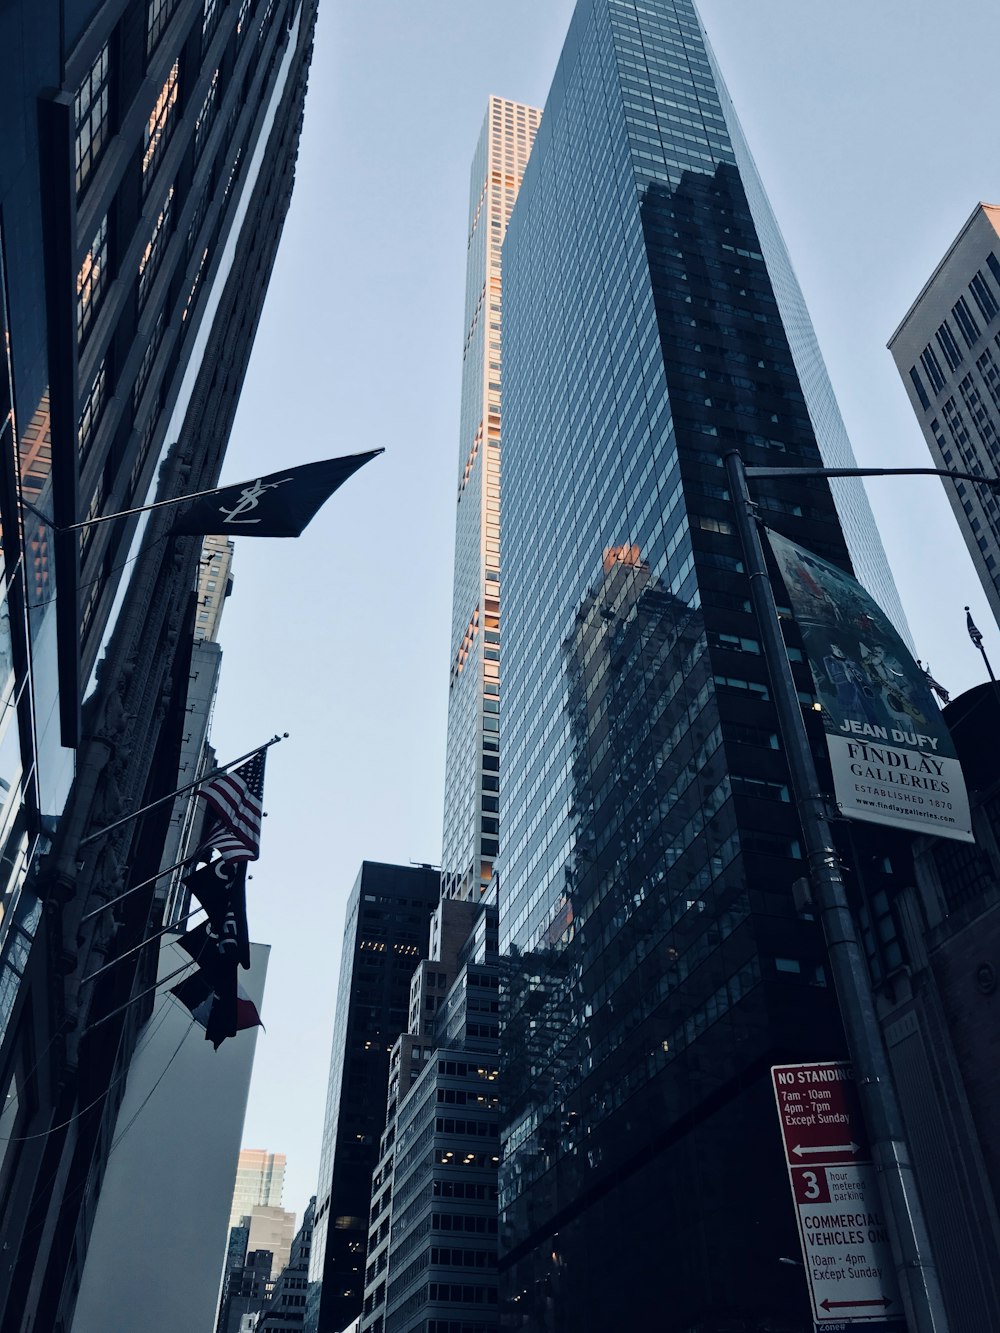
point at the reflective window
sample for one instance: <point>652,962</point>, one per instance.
<point>209,19</point>
<point>92,281</point>
<point>158,13</point>
<point>91,109</point>
<point>161,123</point>
<point>152,256</point>
<point>93,407</point>
<point>206,116</point>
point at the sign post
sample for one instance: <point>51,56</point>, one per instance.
<point>842,1229</point>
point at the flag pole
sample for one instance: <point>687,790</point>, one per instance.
<point>142,944</point>
<point>198,782</point>
<point>135,888</point>
<point>140,509</point>
<point>141,996</point>
<point>976,636</point>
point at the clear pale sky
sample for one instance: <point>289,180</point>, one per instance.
<point>873,123</point>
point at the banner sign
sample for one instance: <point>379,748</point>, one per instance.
<point>893,758</point>
<point>845,1243</point>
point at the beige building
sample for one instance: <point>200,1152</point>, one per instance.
<point>472,805</point>
<point>260,1180</point>
<point>271,1229</point>
<point>947,350</point>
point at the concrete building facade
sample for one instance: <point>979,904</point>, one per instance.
<point>947,352</point>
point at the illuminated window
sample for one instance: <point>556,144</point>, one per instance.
<point>152,256</point>
<point>161,123</point>
<point>158,14</point>
<point>91,281</point>
<point>91,108</point>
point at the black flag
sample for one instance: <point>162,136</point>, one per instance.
<point>976,635</point>
<point>216,959</point>
<point>221,890</point>
<point>279,505</point>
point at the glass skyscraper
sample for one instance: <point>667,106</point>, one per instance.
<point>654,964</point>
<point>472,800</point>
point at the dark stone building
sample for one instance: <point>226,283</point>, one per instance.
<point>146,165</point>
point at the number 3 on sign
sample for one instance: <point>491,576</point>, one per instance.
<point>811,1185</point>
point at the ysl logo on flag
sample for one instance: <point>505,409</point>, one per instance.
<point>249,499</point>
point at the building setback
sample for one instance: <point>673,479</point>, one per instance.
<point>947,352</point>
<point>385,936</point>
<point>145,173</point>
<point>653,963</point>
<point>472,781</point>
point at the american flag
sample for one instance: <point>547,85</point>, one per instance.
<point>235,805</point>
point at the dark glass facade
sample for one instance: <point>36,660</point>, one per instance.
<point>385,936</point>
<point>654,965</point>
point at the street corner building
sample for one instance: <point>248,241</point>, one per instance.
<point>653,962</point>
<point>147,156</point>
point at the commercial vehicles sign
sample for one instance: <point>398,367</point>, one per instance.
<point>842,1228</point>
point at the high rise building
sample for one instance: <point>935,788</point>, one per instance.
<point>385,936</point>
<point>285,1311</point>
<point>147,158</point>
<point>432,1240</point>
<point>260,1179</point>
<point>472,786</point>
<point>654,963</point>
<point>947,351</point>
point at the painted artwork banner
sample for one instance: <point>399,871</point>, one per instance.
<point>892,755</point>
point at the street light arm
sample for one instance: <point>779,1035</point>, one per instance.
<point>761,473</point>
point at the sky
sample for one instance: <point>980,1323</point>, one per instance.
<point>873,124</point>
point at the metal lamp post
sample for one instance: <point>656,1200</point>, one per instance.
<point>918,1279</point>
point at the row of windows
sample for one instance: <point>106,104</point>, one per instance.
<point>986,299</point>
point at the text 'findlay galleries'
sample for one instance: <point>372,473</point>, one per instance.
<point>902,767</point>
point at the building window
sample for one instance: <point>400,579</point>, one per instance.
<point>158,14</point>
<point>993,264</point>
<point>145,368</point>
<point>948,345</point>
<point>206,116</point>
<point>932,369</point>
<point>91,111</point>
<point>964,320</point>
<point>982,294</point>
<point>194,286</point>
<point>209,20</point>
<point>241,22</point>
<point>152,256</point>
<point>918,385</point>
<point>160,125</point>
<point>90,417</point>
<point>92,281</point>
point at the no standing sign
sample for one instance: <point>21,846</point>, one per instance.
<point>842,1229</point>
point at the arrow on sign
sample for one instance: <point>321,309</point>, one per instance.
<point>799,1151</point>
<point>853,1305</point>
